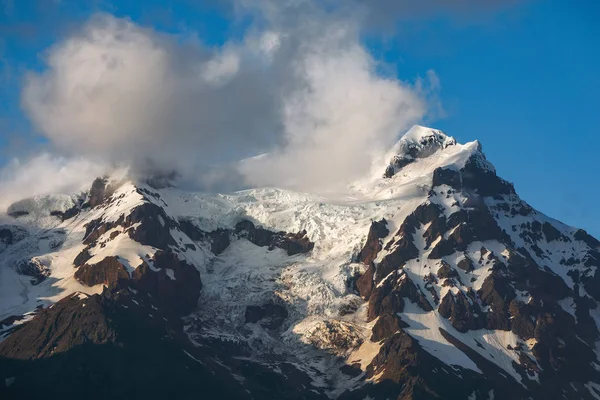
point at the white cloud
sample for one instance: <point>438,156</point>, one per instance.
<point>300,87</point>
<point>45,174</point>
<point>339,118</point>
<point>221,68</point>
<point>130,94</point>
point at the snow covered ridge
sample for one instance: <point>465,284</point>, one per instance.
<point>436,281</point>
<point>418,142</point>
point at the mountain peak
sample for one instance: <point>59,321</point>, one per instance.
<point>419,142</point>
<point>422,135</point>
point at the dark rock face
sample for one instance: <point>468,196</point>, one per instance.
<point>588,239</point>
<point>270,315</point>
<point>82,257</point>
<point>470,225</point>
<point>219,238</point>
<point>175,287</point>
<point>403,245</point>
<point>464,313</point>
<point>33,268</point>
<point>115,345</point>
<point>426,146</point>
<point>152,227</point>
<point>364,283</point>
<point>551,233</point>
<point>97,192</point>
<point>388,296</point>
<point>483,180</point>
<point>17,214</point>
<point>465,264</point>
<point>446,271</point>
<point>70,213</point>
<point>108,271</point>
<point>10,234</point>
<point>386,326</point>
<point>292,243</point>
<point>447,176</point>
<point>395,165</point>
<point>409,372</point>
<point>373,245</point>
<point>404,250</point>
<point>497,293</point>
<point>45,336</point>
<point>161,180</point>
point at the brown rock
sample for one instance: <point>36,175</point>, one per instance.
<point>377,231</point>
<point>97,192</point>
<point>108,271</point>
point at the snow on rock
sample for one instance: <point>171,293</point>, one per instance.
<point>486,258</point>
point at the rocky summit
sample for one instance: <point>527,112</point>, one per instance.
<point>430,279</point>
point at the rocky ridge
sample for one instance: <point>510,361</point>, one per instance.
<point>460,291</point>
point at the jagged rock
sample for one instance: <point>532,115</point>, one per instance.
<point>82,257</point>
<point>483,179</point>
<point>10,234</point>
<point>465,264</point>
<point>542,283</point>
<point>108,271</point>
<point>68,214</point>
<point>497,292</point>
<point>372,247</point>
<point>551,233</point>
<point>522,319</point>
<point>588,239</point>
<point>429,280</point>
<point>174,287</point>
<point>107,346</point>
<point>97,192</point>
<point>463,314</point>
<point>270,315</point>
<point>411,149</point>
<point>334,336</point>
<point>469,226</point>
<point>404,249</point>
<point>446,271</point>
<point>148,224</point>
<point>388,296</point>
<point>364,283</point>
<point>153,227</point>
<point>397,163</point>
<point>33,268</point>
<point>219,239</point>
<point>447,176</point>
<point>351,370</point>
<point>44,336</point>
<point>292,243</point>
<point>386,326</point>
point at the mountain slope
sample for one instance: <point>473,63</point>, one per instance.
<point>429,279</point>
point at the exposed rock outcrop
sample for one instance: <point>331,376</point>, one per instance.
<point>373,244</point>
<point>108,272</point>
<point>33,268</point>
<point>292,243</point>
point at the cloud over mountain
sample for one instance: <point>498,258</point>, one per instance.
<point>307,92</point>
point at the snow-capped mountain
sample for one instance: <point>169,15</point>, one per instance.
<point>429,279</point>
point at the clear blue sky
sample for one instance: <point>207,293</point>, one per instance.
<point>524,81</point>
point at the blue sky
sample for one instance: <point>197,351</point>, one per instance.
<point>522,79</point>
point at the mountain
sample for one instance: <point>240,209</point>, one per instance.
<point>431,279</point>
